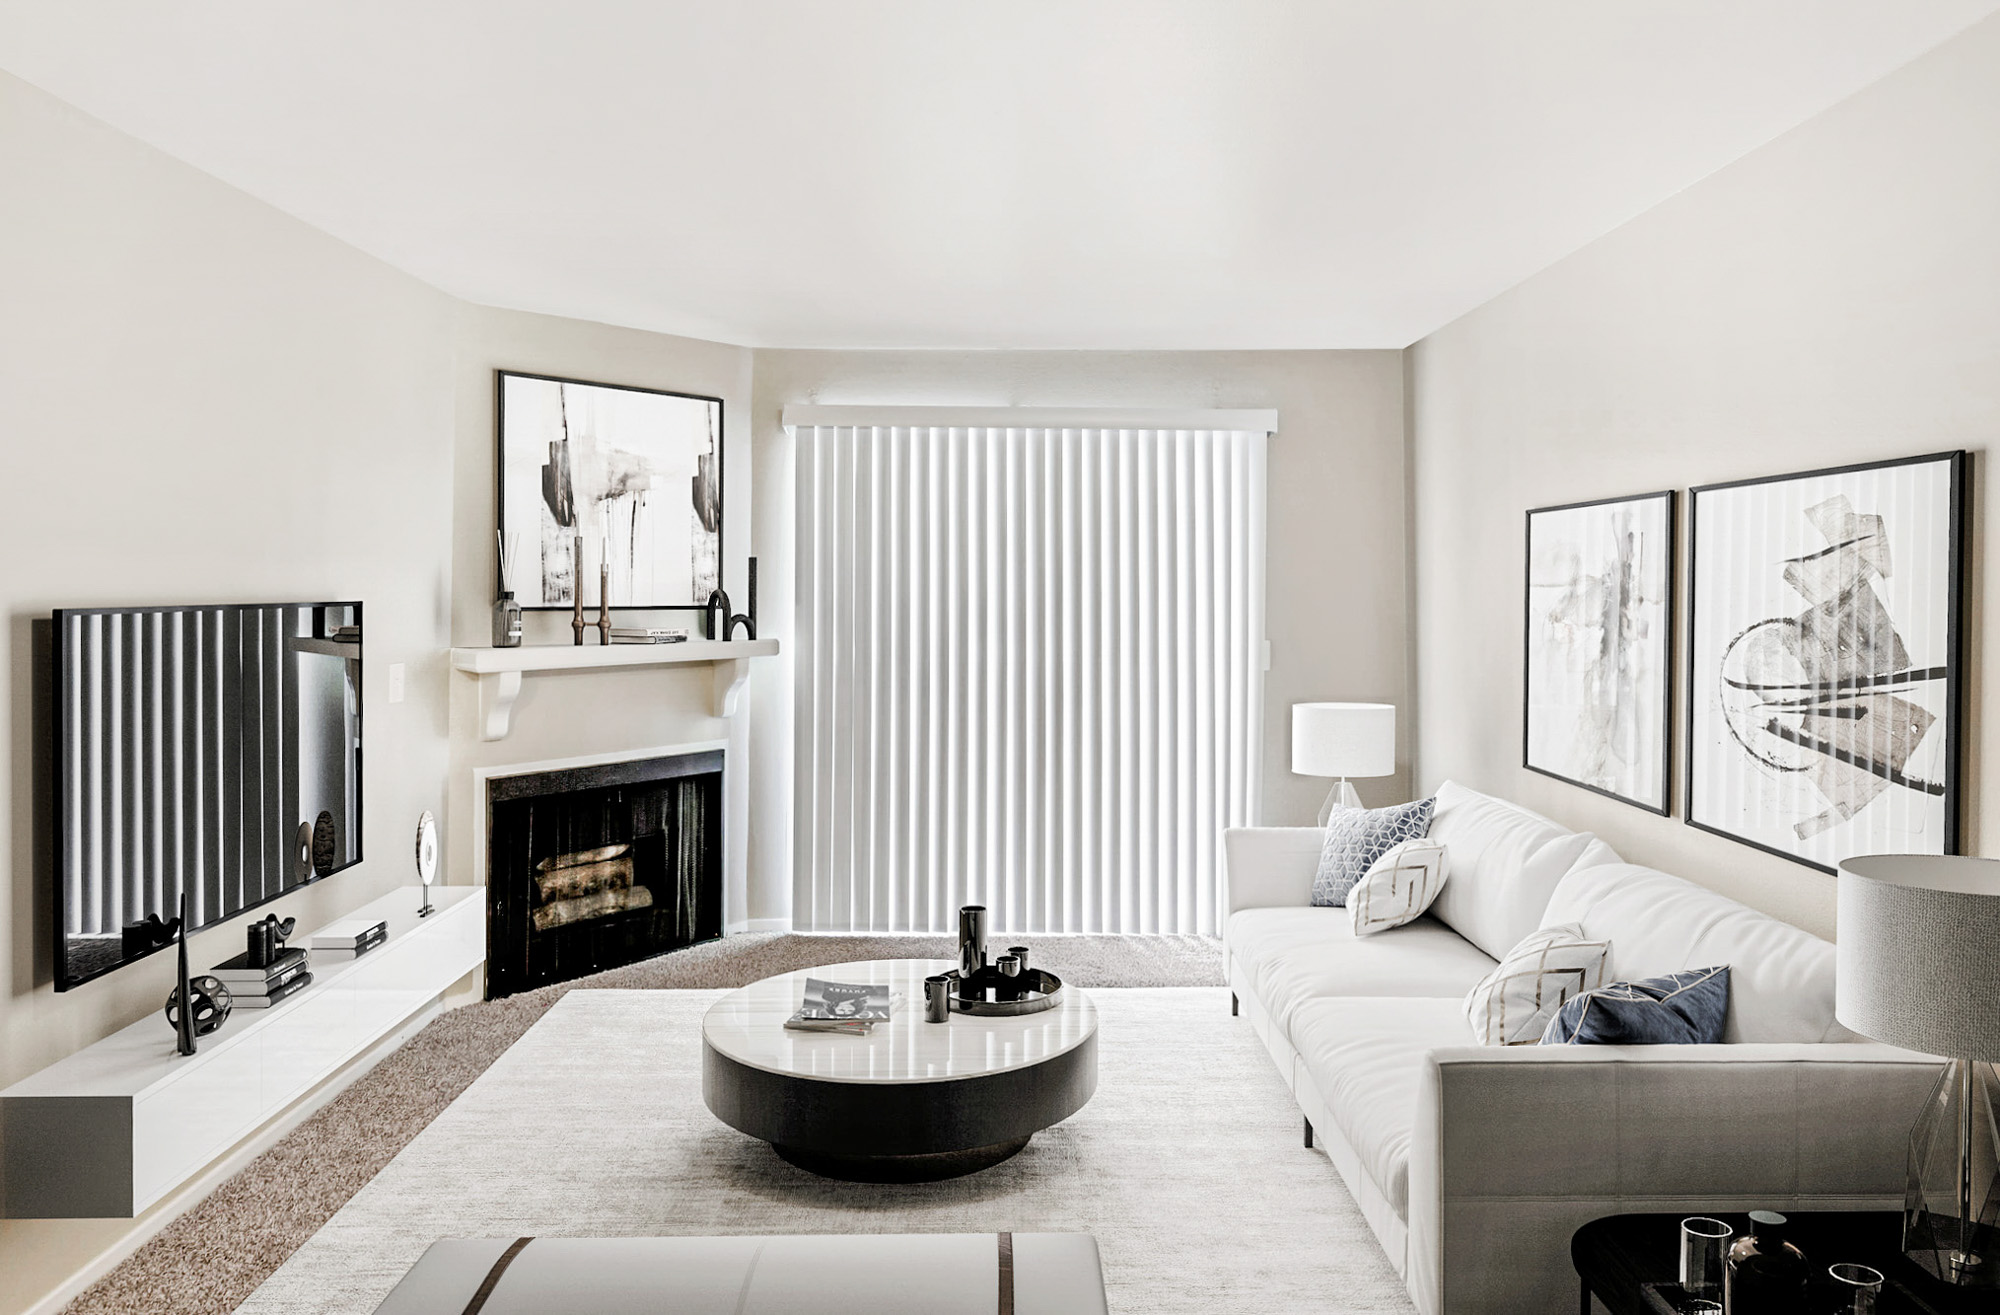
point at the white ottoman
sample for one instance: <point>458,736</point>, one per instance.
<point>842,1274</point>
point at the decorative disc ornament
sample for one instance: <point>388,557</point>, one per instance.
<point>427,848</point>
<point>212,1003</point>
<point>322,844</point>
<point>427,858</point>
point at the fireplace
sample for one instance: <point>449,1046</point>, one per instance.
<point>595,867</point>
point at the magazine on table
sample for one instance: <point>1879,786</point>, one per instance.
<point>842,1007</point>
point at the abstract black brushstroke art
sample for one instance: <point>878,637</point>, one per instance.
<point>1597,666</point>
<point>632,475</point>
<point>1824,660</point>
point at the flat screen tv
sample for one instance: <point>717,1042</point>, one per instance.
<point>215,750</point>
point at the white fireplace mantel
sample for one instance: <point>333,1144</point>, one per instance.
<point>499,670</point>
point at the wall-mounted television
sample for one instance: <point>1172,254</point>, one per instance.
<point>215,750</point>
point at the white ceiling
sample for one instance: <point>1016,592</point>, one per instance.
<point>926,173</point>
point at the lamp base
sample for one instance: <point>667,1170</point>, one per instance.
<point>1341,796</point>
<point>1951,1211</point>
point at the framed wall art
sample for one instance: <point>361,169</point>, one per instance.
<point>1825,659</point>
<point>1597,669</point>
<point>594,474</point>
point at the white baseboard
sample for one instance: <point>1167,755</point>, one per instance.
<point>149,1225</point>
<point>757,924</point>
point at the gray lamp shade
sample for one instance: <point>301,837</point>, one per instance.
<point>1918,953</point>
<point>1344,739</point>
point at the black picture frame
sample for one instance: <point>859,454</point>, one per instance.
<point>500,440</point>
<point>1660,803</point>
<point>1951,700</point>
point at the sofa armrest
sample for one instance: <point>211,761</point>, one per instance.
<point>1271,866</point>
<point>1514,1148</point>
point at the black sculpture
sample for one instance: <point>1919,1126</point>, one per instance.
<point>196,1007</point>
<point>720,624</point>
<point>267,940</point>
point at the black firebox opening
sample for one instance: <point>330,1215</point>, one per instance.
<point>594,868</point>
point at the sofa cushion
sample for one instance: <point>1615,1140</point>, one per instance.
<point>1505,861</point>
<point>1291,956</point>
<point>1365,1058</point>
<point>1399,888</point>
<point>1356,837</point>
<point>1780,977</point>
<point>1514,1004</point>
<point>1680,1009</point>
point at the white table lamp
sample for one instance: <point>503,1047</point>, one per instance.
<point>1343,740</point>
<point>1918,965</point>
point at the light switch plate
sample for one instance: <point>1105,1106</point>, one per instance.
<point>395,682</point>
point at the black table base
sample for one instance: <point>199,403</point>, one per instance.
<point>931,1168</point>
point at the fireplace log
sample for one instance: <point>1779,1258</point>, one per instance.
<point>581,857</point>
<point>598,904</point>
<point>584,879</point>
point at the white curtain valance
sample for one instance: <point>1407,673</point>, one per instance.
<point>1030,417</point>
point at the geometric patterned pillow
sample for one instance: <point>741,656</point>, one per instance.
<point>1399,887</point>
<point>1356,837</point>
<point>1684,1008</point>
<point>1513,1004</point>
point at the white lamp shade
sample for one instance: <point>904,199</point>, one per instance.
<point>1344,739</point>
<point>1917,954</point>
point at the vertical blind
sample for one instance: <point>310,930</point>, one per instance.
<point>1030,674</point>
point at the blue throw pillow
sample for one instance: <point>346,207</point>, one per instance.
<point>1356,837</point>
<point>1685,1008</point>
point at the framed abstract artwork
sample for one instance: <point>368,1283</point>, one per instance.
<point>596,475</point>
<point>1598,663</point>
<point>1825,659</point>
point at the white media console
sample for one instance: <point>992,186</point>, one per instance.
<point>119,1125</point>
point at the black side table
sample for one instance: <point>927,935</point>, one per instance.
<point>1617,1257</point>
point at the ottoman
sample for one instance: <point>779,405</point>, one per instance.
<point>828,1274</point>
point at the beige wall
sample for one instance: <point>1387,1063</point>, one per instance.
<point>1833,297</point>
<point>1335,535</point>
<point>202,400</point>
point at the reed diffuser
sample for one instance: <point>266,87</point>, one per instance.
<point>506,611</point>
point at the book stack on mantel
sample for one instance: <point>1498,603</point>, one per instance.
<point>648,635</point>
<point>288,973</point>
<point>350,938</point>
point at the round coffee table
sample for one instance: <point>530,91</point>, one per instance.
<point>910,1102</point>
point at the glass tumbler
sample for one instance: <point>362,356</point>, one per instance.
<point>1859,1286</point>
<point>1704,1246</point>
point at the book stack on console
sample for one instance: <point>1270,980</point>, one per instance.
<point>259,988</point>
<point>350,938</point>
<point>648,635</point>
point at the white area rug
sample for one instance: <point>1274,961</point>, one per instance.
<point>1186,1165</point>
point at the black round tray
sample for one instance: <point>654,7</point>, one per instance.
<point>1044,992</point>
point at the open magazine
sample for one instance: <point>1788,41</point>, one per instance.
<point>842,1007</point>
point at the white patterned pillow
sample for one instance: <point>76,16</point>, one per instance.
<point>1355,838</point>
<point>1512,1005</point>
<point>1399,886</point>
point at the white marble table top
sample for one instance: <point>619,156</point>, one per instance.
<point>747,1026</point>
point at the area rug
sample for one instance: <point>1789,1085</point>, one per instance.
<point>1186,1166</point>
<point>213,1256</point>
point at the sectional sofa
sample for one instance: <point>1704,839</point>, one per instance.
<point>1474,1164</point>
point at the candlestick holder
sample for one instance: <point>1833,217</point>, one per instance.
<point>604,603</point>
<point>576,593</point>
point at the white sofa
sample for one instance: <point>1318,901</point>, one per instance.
<point>1474,1164</point>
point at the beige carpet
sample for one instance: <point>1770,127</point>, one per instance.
<point>211,1258</point>
<point>1185,1165</point>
